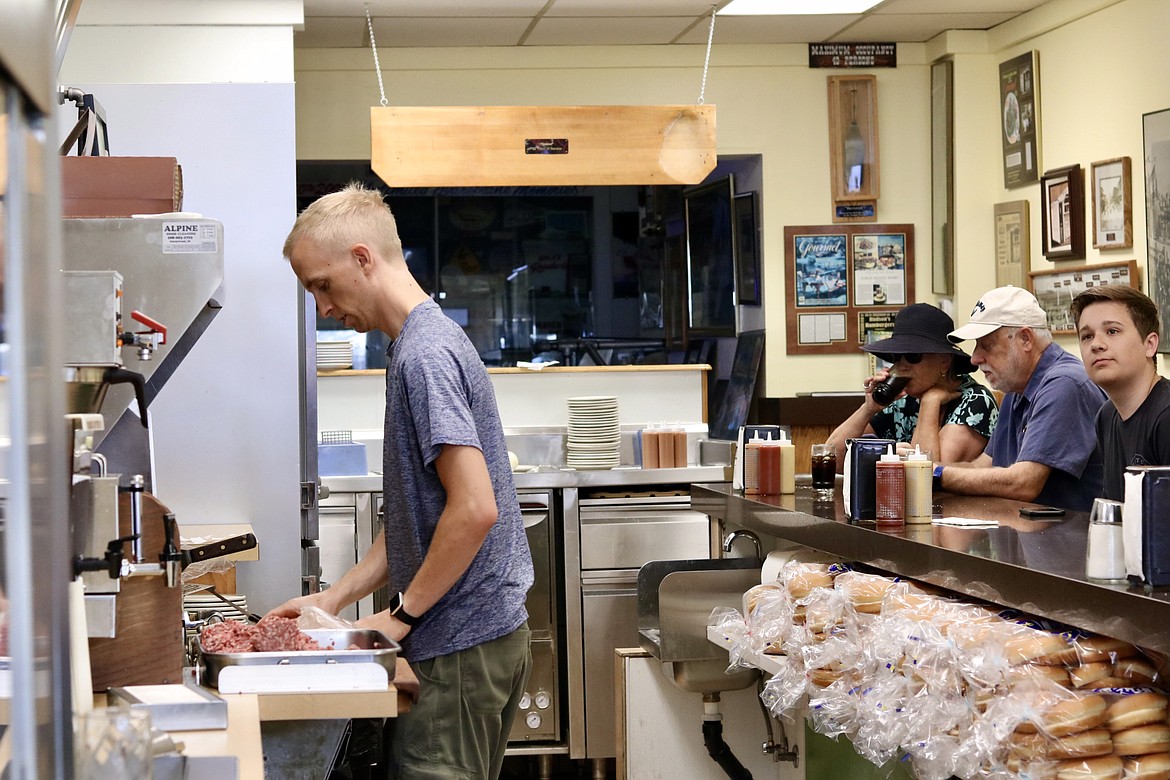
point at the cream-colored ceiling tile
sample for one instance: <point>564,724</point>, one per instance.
<point>627,8</point>
<point>963,7</point>
<point>602,31</point>
<point>771,29</point>
<point>439,8</point>
<point>484,31</point>
<point>916,27</point>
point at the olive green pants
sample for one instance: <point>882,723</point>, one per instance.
<point>459,728</point>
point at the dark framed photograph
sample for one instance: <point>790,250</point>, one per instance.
<point>747,250</point>
<point>1019,108</point>
<point>1112,207</point>
<point>1062,213</point>
<point>1156,144</point>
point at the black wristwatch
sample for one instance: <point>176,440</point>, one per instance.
<point>937,482</point>
<point>397,611</point>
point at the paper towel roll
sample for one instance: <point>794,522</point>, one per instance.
<point>773,563</point>
<point>776,559</point>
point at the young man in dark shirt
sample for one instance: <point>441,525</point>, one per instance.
<point>1118,330</point>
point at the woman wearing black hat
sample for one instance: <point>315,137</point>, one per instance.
<point>942,409</point>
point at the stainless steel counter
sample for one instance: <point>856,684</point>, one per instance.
<point>622,476</point>
<point>1034,566</point>
<point>365,483</point>
<point>550,477</point>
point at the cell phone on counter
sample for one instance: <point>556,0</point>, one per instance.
<point>1041,511</point>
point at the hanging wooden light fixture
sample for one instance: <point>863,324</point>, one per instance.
<point>492,146</point>
<point>496,146</point>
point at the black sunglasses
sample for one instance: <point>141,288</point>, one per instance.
<point>913,358</point>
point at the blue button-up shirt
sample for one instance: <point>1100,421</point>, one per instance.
<point>1052,422</point>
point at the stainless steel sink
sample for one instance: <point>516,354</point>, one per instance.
<point>675,599</point>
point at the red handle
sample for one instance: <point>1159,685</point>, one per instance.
<point>156,327</point>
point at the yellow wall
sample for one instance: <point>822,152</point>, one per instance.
<point>1099,72</point>
<point>1102,64</point>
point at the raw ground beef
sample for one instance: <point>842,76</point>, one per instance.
<point>272,635</point>
<point>280,634</point>
<point>229,636</point>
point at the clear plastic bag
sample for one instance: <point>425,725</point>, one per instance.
<point>314,617</point>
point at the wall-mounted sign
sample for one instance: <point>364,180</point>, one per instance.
<point>853,55</point>
<point>546,146</point>
<point>855,212</point>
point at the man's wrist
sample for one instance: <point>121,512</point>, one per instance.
<point>396,610</point>
<point>937,482</point>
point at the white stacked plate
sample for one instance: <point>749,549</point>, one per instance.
<point>594,433</point>
<point>334,354</point>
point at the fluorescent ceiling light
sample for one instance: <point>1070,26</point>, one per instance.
<point>795,7</point>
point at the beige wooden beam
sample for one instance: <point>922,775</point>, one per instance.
<point>493,146</point>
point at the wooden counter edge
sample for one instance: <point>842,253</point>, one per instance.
<point>331,705</point>
<point>240,739</point>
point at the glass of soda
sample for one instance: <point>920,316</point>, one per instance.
<point>824,470</point>
<point>887,391</point>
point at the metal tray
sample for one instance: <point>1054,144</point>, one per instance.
<point>373,647</point>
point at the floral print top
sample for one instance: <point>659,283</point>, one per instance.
<point>975,408</point>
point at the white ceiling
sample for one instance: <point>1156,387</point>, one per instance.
<point>461,23</point>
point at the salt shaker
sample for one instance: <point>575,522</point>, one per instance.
<point>1104,554</point>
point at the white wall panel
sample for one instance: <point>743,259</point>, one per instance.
<point>226,424</point>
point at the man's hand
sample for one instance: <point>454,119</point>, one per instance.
<point>292,607</point>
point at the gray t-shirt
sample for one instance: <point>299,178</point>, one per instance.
<point>438,392</point>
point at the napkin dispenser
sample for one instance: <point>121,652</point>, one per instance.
<point>860,470</point>
<point>1144,537</point>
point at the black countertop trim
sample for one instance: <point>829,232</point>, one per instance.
<point>1036,567</point>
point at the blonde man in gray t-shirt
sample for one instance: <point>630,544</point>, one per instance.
<point>453,550</point>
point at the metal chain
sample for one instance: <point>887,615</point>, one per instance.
<point>378,67</point>
<point>707,61</point>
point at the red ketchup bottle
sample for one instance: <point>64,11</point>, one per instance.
<point>891,489</point>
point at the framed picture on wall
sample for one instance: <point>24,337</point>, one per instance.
<point>1156,145</point>
<point>879,269</point>
<point>1112,207</point>
<point>1019,109</point>
<point>1062,213</point>
<point>853,140</point>
<point>1013,254</point>
<point>1056,289</point>
<point>820,269</point>
<point>835,273</point>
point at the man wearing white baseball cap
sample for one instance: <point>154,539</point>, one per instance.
<point>1044,447</point>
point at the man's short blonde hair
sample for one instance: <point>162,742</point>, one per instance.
<point>353,215</point>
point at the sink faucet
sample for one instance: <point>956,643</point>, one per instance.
<point>731,537</point>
